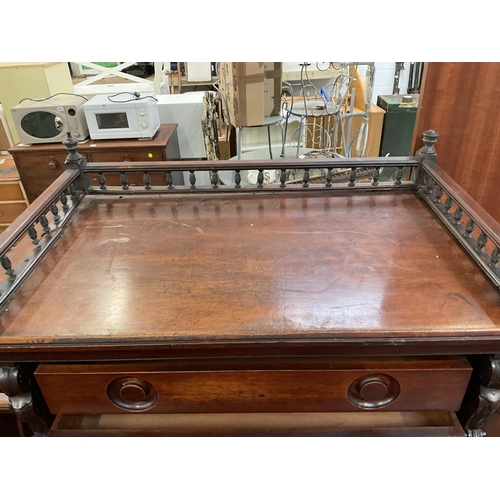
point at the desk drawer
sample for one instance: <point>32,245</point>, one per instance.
<point>11,210</point>
<point>379,424</point>
<point>144,154</point>
<point>38,164</point>
<point>281,385</point>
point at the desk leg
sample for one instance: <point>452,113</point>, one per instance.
<point>19,384</point>
<point>482,399</point>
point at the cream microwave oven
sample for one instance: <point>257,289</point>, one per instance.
<point>123,115</point>
<point>39,121</point>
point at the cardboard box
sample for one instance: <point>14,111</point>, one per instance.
<point>251,91</point>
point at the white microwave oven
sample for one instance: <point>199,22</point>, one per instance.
<point>40,121</point>
<point>123,115</point>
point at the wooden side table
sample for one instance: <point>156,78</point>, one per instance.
<point>13,200</point>
<point>40,164</point>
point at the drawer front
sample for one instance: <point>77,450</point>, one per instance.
<point>10,211</point>
<point>38,172</point>
<point>11,192</point>
<point>38,164</point>
<point>335,386</point>
<point>146,154</point>
<point>381,424</point>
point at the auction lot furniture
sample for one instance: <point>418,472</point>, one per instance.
<point>13,199</point>
<point>40,164</point>
<point>316,309</point>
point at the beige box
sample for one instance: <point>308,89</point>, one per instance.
<point>251,91</point>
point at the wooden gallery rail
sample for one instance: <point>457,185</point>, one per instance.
<point>136,306</point>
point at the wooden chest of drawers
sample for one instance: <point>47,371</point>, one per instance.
<point>13,198</point>
<point>40,165</point>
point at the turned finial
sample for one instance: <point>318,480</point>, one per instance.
<point>74,158</point>
<point>427,151</point>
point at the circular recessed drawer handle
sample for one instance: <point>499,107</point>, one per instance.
<point>126,158</point>
<point>53,163</point>
<point>132,393</point>
<point>373,391</point>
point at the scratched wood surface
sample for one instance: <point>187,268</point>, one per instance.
<point>250,268</point>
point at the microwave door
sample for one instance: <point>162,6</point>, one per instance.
<point>106,121</point>
<point>42,124</point>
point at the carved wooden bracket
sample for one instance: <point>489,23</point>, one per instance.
<point>482,399</point>
<point>26,401</point>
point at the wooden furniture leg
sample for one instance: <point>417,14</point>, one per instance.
<point>482,399</point>
<point>26,400</point>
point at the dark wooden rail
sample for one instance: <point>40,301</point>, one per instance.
<point>49,213</point>
<point>473,227</point>
<point>478,232</point>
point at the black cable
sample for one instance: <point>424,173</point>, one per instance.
<point>47,98</point>
<point>136,97</point>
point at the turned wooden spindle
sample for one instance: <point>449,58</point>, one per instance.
<point>237,179</point>
<point>44,222</point>
<point>447,205</point>
<point>399,176</point>
<point>481,242</point>
<point>192,179</point>
<point>33,235</point>
<point>7,265</point>
<point>146,178</point>
<point>306,177</point>
<point>124,180</point>
<point>438,194</point>
<point>260,178</point>
<point>457,216</point>
<point>102,181</point>
<point>55,212</point>
<point>170,180</point>
<point>64,202</point>
<point>495,258</point>
<point>352,177</point>
<point>283,178</point>
<point>329,177</point>
<point>469,228</point>
<point>215,179</point>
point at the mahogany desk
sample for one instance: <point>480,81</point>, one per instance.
<point>324,310</point>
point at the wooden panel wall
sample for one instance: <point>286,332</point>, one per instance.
<point>461,101</point>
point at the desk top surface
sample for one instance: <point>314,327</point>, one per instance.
<point>201,269</point>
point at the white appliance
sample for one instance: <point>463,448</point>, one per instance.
<point>126,115</point>
<point>187,111</point>
<point>40,121</point>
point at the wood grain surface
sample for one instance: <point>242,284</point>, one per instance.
<point>252,268</point>
<point>260,385</point>
<point>459,101</point>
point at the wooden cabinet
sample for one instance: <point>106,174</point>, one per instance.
<point>40,165</point>
<point>13,200</point>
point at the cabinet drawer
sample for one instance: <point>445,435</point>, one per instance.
<point>10,211</point>
<point>281,385</point>
<point>11,191</point>
<point>382,424</point>
<point>151,154</point>
<point>37,164</point>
